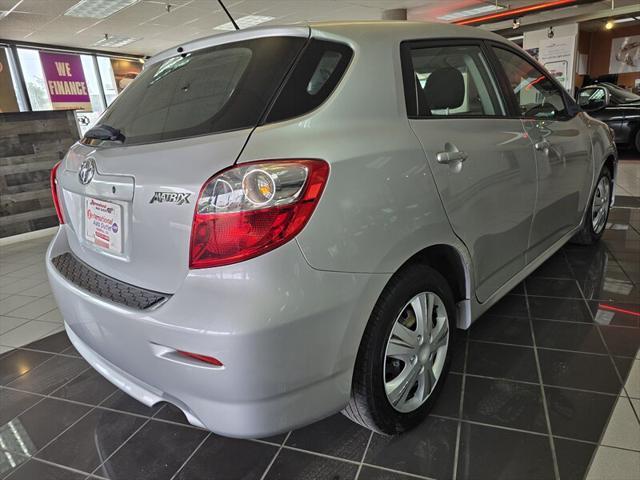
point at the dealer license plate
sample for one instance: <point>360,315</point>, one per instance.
<point>103,224</point>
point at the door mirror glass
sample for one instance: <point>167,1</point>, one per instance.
<point>592,99</point>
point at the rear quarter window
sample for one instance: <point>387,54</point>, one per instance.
<point>313,79</point>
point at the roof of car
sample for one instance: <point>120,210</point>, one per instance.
<point>405,30</point>
<point>392,30</point>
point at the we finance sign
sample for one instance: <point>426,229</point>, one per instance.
<point>65,81</point>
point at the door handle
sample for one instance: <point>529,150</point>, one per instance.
<point>542,145</point>
<point>448,157</point>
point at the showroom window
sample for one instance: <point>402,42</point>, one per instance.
<point>34,79</point>
<point>93,86</point>
<point>108,79</point>
<point>536,95</point>
<point>452,81</point>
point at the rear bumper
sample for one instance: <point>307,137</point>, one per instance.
<point>286,334</point>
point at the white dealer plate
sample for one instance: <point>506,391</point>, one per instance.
<point>103,224</point>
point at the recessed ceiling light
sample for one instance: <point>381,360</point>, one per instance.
<point>471,12</point>
<point>245,22</point>
<point>98,8</point>
<point>115,41</point>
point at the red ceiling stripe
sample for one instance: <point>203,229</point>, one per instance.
<point>516,12</point>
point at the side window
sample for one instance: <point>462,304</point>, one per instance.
<point>452,81</point>
<point>536,95</point>
<point>313,79</point>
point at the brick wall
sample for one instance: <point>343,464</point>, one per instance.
<point>30,145</point>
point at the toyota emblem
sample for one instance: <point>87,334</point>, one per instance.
<point>87,171</point>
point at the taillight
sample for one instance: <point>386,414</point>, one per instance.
<point>252,208</point>
<point>55,192</point>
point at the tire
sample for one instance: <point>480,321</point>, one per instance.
<point>370,405</point>
<point>588,235</point>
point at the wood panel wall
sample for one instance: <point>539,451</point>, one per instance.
<point>597,44</point>
<point>30,145</point>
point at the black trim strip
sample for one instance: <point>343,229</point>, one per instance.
<point>103,286</point>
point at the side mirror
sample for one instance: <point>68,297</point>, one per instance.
<point>595,105</point>
<point>592,100</point>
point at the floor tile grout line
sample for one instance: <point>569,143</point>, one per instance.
<point>35,368</point>
<point>364,454</point>
<point>573,322</point>
<point>560,297</point>
<point>618,374</point>
<point>506,344</point>
<point>34,299</point>
<point>547,385</point>
<point>60,354</point>
<point>545,407</point>
<point>195,450</point>
<point>109,409</point>
<point>446,417</point>
<point>42,400</point>
<point>121,445</point>
<point>47,462</point>
<point>392,470</point>
<point>12,329</point>
<point>602,433</point>
<point>618,263</point>
<point>266,471</point>
<point>62,433</point>
<point>456,452</point>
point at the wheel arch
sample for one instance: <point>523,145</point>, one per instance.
<point>454,266</point>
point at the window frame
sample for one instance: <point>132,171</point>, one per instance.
<point>495,91</point>
<point>570,106</point>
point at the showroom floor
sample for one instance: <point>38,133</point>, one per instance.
<point>547,384</point>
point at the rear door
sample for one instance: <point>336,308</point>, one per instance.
<point>561,143</point>
<point>129,202</point>
<point>480,158</point>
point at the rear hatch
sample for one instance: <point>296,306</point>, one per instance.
<point>129,188</point>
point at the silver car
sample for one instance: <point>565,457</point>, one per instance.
<point>273,225</point>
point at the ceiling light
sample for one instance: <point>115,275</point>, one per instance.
<point>245,22</point>
<point>516,38</point>
<point>516,23</point>
<point>608,25</point>
<point>624,20</point>
<point>114,41</point>
<point>472,12</point>
<point>98,8</point>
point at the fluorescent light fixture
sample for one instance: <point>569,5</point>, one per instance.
<point>115,41</point>
<point>98,8</point>
<point>245,22</point>
<point>472,12</point>
<point>516,38</point>
<point>624,20</point>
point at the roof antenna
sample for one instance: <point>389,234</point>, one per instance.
<point>229,15</point>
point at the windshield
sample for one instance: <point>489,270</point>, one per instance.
<point>222,88</point>
<point>620,95</point>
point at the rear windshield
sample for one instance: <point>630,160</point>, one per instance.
<point>227,87</point>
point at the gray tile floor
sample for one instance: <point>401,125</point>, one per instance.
<point>545,385</point>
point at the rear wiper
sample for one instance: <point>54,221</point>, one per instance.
<point>105,132</point>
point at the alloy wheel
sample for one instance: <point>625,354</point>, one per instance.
<point>600,205</point>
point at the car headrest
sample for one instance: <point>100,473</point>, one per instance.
<point>445,88</point>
